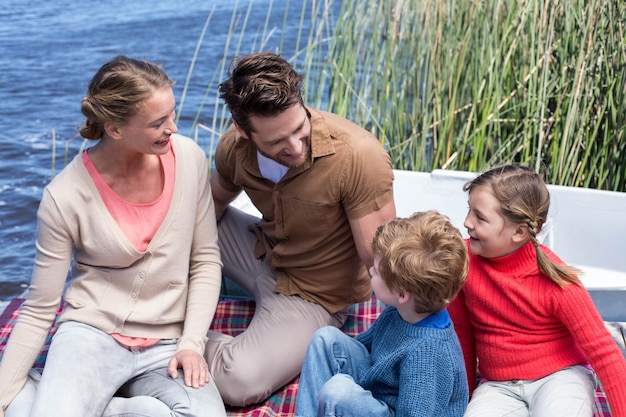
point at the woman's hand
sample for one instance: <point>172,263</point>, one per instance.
<point>195,368</point>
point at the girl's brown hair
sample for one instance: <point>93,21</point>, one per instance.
<point>524,199</point>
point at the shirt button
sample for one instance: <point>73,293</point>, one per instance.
<point>142,275</point>
<point>133,295</point>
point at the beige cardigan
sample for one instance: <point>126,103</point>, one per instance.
<point>169,291</point>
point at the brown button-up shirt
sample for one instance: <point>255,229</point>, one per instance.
<point>304,227</point>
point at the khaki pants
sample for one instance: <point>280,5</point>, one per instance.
<point>248,368</point>
<point>569,392</point>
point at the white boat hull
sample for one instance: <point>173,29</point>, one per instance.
<point>586,228</point>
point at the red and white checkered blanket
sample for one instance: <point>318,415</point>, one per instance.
<point>232,317</point>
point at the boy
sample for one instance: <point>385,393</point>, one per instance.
<point>409,363</point>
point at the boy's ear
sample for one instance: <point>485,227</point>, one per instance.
<point>404,297</point>
<point>521,233</point>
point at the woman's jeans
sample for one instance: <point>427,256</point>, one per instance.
<point>88,374</point>
<point>569,392</point>
<point>333,362</point>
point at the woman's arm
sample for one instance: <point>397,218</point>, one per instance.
<point>52,261</point>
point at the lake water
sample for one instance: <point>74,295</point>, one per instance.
<point>48,52</point>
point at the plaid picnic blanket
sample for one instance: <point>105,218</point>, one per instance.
<point>232,317</point>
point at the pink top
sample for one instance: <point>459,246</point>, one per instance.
<point>139,222</point>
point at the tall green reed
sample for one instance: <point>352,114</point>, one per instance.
<point>453,84</point>
<point>307,54</point>
<point>468,85</point>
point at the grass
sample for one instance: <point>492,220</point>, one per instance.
<point>468,85</point>
<point>452,84</point>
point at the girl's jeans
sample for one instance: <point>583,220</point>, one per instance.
<point>327,384</point>
<point>88,374</point>
<point>569,392</point>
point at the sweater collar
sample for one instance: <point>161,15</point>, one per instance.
<point>523,261</point>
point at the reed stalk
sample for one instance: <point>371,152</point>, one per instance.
<point>468,85</point>
<point>453,84</point>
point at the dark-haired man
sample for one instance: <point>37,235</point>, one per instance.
<point>323,185</point>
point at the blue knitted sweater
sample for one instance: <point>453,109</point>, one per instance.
<point>417,371</point>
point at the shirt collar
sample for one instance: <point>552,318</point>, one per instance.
<point>321,141</point>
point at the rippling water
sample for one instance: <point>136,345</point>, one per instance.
<point>48,52</point>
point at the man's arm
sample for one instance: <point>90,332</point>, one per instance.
<point>221,196</point>
<point>363,230</point>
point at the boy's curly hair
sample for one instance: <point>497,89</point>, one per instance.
<point>424,255</point>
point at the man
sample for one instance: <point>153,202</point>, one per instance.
<point>323,185</point>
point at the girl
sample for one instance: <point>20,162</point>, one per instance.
<point>133,217</point>
<point>524,315</point>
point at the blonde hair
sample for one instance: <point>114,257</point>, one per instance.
<point>524,199</point>
<point>424,255</point>
<point>117,92</point>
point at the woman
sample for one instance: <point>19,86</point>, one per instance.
<point>134,218</point>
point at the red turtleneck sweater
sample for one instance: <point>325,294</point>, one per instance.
<point>521,325</point>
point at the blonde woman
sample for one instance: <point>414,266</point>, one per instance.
<point>134,219</point>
